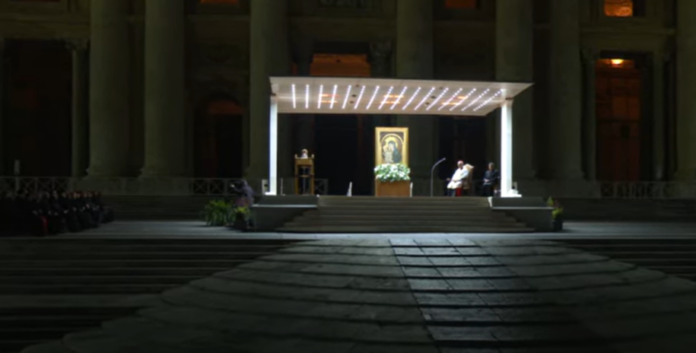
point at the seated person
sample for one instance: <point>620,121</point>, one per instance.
<point>458,179</point>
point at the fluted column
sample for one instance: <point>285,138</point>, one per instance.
<point>414,60</point>
<point>380,67</point>
<point>2,107</point>
<point>565,122</point>
<point>109,99</point>
<point>164,88</point>
<point>269,56</point>
<point>515,63</point>
<point>80,124</point>
<point>589,58</point>
<point>658,126</point>
<point>686,85</point>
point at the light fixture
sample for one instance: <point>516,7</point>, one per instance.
<point>489,100</point>
<point>398,99</point>
<point>321,94</point>
<point>463,99</point>
<point>306,103</point>
<point>617,62</point>
<point>451,99</point>
<point>345,101</point>
<point>357,103</point>
<point>424,99</point>
<point>412,98</point>
<point>437,99</point>
<point>476,100</point>
<point>333,96</point>
<point>373,98</point>
<point>294,99</point>
<point>386,98</point>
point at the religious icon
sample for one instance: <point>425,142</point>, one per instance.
<point>391,145</point>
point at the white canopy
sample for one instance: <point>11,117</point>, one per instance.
<point>326,95</point>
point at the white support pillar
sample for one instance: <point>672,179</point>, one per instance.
<point>506,150</point>
<point>273,148</point>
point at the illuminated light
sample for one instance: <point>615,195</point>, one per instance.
<point>412,98</point>
<point>294,98</point>
<point>373,97</point>
<point>384,101</point>
<point>306,103</point>
<point>463,99</point>
<point>437,99</point>
<point>357,103</point>
<point>444,105</point>
<point>398,100</point>
<point>345,101</point>
<point>617,62</point>
<point>489,100</point>
<point>333,96</point>
<point>321,94</point>
<point>476,100</point>
<point>425,99</point>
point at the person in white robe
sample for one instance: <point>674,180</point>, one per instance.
<point>458,178</point>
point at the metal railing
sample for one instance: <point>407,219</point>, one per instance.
<point>137,186</point>
<point>646,190</point>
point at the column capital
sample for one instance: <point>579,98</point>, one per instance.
<point>77,44</point>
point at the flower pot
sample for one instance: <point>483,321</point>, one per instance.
<point>393,189</point>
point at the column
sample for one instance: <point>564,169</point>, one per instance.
<point>590,57</point>
<point>109,78</point>
<point>515,63</point>
<point>80,124</point>
<point>380,67</point>
<point>686,85</point>
<point>2,108</point>
<point>565,122</point>
<point>658,122</point>
<point>506,148</point>
<point>269,55</point>
<point>164,88</point>
<point>414,60</point>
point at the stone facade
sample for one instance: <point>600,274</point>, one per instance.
<point>145,66</point>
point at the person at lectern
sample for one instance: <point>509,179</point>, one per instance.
<point>458,178</point>
<point>305,174</point>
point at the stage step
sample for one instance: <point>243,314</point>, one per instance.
<point>403,215</point>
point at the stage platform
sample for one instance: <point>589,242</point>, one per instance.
<point>364,214</point>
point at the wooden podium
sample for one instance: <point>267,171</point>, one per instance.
<point>304,169</point>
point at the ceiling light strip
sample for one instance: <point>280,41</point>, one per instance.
<point>463,100</point>
<point>306,103</point>
<point>333,96</point>
<point>373,98</point>
<point>437,99</point>
<point>489,100</point>
<point>357,103</point>
<point>476,100</point>
<point>424,99</point>
<point>398,99</point>
<point>345,101</point>
<point>412,98</point>
<point>450,99</point>
<point>386,97</point>
<point>321,95</point>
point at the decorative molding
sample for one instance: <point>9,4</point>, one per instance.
<point>77,44</point>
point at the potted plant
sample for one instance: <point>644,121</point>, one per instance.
<point>217,213</point>
<point>556,214</point>
<point>392,180</point>
<point>241,216</point>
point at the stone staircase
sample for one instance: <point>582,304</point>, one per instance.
<point>158,207</point>
<point>53,286</point>
<point>629,210</point>
<point>401,215</point>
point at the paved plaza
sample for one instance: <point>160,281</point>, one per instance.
<point>442,293</point>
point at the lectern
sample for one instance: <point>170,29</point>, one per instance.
<point>304,175</point>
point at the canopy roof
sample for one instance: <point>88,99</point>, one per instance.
<point>328,95</point>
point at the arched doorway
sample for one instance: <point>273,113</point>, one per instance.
<point>218,134</point>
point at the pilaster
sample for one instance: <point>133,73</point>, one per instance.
<point>80,123</point>
<point>658,120</point>
<point>380,67</point>
<point>686,85</point>
<point>2,106</point>
<point>589,126</point>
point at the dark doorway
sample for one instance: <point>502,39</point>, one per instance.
<point>37,120</point>
<point>218,139</point>
<point>465,139</point>
<point>620,130</point>
<point>339,155</point>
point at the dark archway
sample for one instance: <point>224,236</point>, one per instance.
<point>218,138</point>
<point>36,127</point>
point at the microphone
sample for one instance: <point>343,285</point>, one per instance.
<point>432,171</point>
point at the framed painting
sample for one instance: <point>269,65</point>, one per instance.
<point>391,145</point>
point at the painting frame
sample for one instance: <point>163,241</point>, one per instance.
<point>391,137</point>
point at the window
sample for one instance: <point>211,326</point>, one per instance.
<point>224,2</point>
<point>461,4</point>
<point>624,8</point>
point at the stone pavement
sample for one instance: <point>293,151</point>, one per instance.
<point>403,295</point>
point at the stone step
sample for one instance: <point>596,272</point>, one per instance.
<point>52,271</point>
<point>125,248</point>
<point>405,223</point>
<point>405,211</point>
<point>119,263</point>
<point>174,256</point>
<point>393,229</point>
<point>86,288</point>
<point>94,280</point>
<point>401,218</point>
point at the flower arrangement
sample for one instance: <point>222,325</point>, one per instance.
<point>389,173</point>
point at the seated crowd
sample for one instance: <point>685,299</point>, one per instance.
<point>50,213</point>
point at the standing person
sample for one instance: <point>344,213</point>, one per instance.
<point>490,180</point>
<point>305,174</point>
<point>457,180</point>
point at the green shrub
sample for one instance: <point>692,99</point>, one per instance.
<point>389,173</point>
<point>218,213</point>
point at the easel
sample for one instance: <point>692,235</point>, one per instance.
<point>302,164</point>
